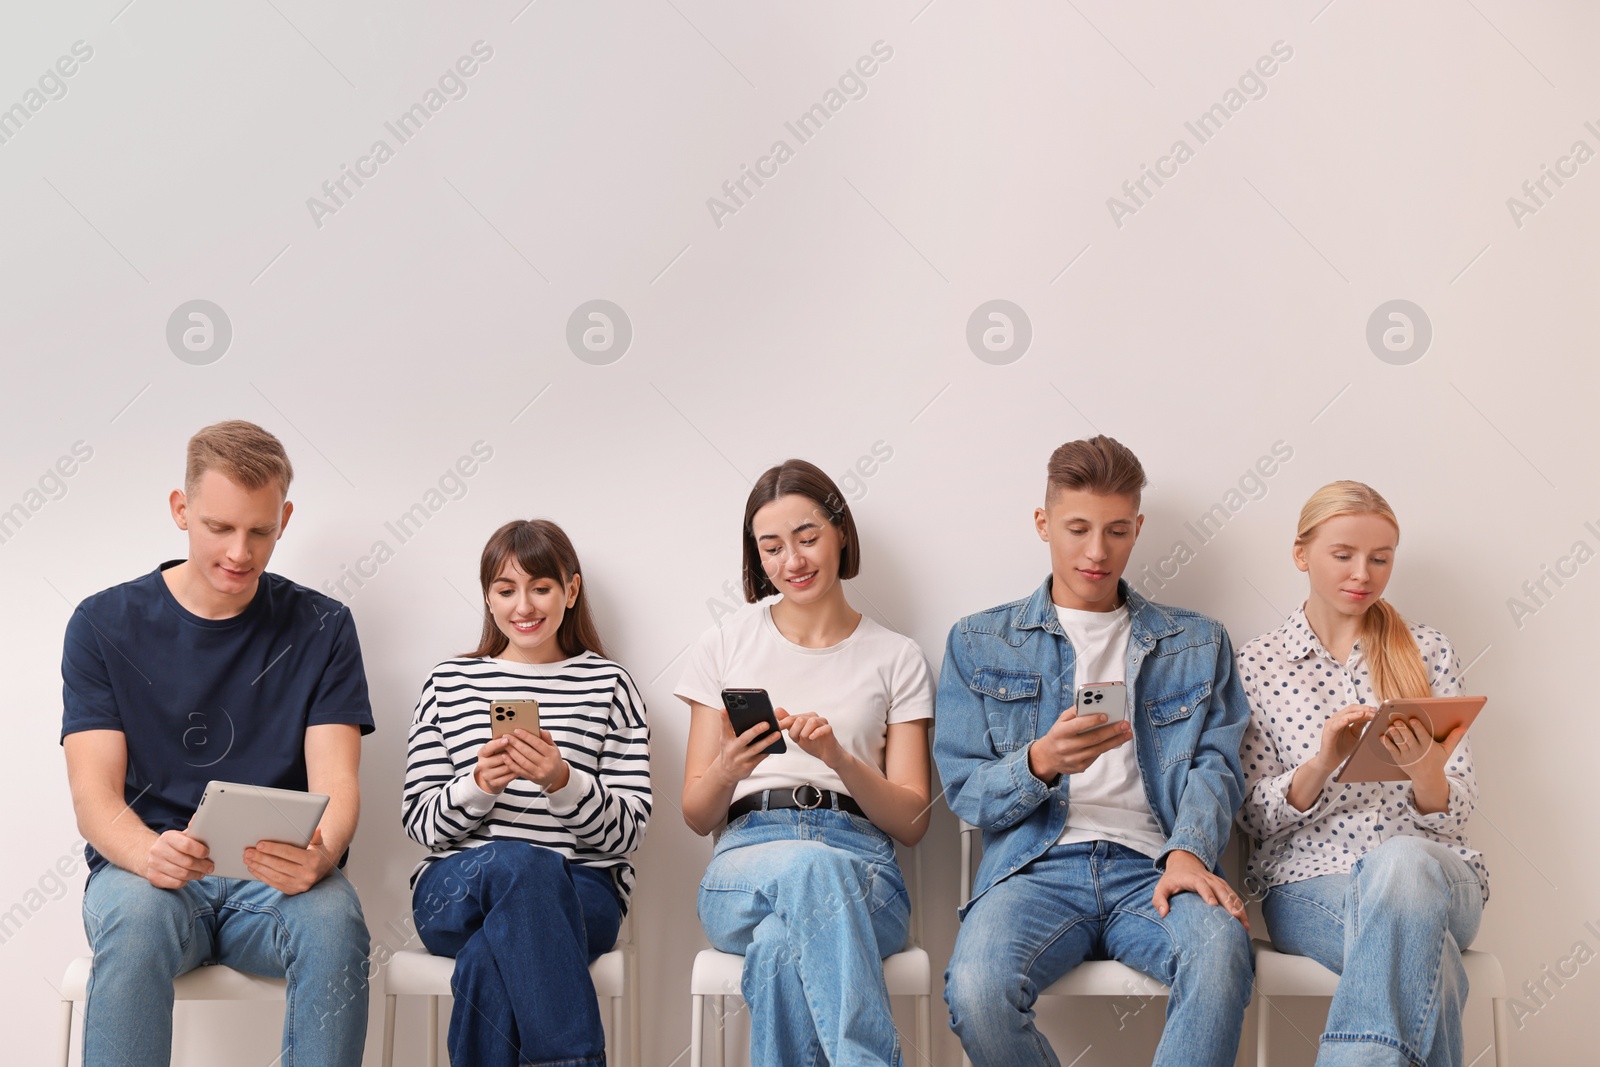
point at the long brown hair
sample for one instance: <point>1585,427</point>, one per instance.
<point>543,550</point>
<point>807,480</point>
<point>1392,653</point>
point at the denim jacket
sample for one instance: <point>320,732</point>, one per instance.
<point>1007,677</point>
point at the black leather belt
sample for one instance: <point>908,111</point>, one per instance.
<point>805,797</point>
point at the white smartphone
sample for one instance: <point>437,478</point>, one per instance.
<point>1104,698</point>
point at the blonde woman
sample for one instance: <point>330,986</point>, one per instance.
<point>1375,881</point>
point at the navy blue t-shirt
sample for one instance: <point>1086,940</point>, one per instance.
<point>201,699</point>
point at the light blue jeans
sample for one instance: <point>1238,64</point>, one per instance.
<point>1089,901</point>
<point>1393,930</point>
<point>813,900</point>
<point>144,937</point>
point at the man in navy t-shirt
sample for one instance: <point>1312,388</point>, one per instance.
<point>211,668</point>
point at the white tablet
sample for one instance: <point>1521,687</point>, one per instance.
<point>233,817</point>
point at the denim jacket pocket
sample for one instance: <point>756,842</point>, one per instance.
<point>1178,719</point>
<point>1011,705</point>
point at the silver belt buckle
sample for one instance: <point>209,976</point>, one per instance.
<point>795,793</point>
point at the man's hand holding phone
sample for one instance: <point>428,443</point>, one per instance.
<point>1073,743</point>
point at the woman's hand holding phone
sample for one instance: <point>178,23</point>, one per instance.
<point>741,752</point>
<point>814,735</point>
<point>494,772</point>
<point>520,754</point>
<point>536,758</point>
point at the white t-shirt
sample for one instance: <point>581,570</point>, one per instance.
<point>872,678</point>
<point>1107,802</point>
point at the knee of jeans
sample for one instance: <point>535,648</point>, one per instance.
<point>329,914</point>
<point>977,980</point>
<point>833,870</point>
<point>1217,947</point>
<point>530,858</point>
<point>1402,873</point>
<point>530,871</point>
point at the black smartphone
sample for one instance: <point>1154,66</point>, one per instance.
<point>746,707</point>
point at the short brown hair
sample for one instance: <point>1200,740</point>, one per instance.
<point>242,451</point>
<point>543,550</point>
<point>807,480</point>
<point>1100,465</point>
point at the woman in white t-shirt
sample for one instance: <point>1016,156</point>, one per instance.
<point>803,881</point>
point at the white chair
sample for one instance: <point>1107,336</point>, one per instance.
<point>1279,974</point>
<point>907,974</point>
<point>1091,978</point>
<point>418,973</point>
<point>202,983</point>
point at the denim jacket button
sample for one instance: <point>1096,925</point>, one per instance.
<point>1002,690</point>
<point>1184,708</point>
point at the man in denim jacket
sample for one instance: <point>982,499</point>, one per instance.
<point>1094,848</point>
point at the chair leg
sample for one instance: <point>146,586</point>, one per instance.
<point>925,1026</point>
<point>720,1006</point>
<point>697,1030</point>
<point>614,1032</point>
<point>635,1045</point>
<point>433,1032</point>
<point>66,1032</point>
<point>1263,1028</point>
<point>1502,1034</point>
<point>388,1029</point>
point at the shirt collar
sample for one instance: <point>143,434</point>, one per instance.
<point>1300,641</point>
<point>1149,622</point>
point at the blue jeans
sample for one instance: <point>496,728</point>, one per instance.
<point>523,925</point>
<point>144,937</point>
<point>1092,901</point>
<point>813,901</point>
<point>1393,930</point>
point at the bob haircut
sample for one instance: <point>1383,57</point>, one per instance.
<point>796,476</point>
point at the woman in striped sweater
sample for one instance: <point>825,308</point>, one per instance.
<point>528,877</point>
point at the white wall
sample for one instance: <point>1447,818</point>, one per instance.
<point>1225,314</point>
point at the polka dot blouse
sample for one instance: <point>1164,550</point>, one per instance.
<point>1294,685</point>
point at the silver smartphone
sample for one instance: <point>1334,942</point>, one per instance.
<point>1104,698</point>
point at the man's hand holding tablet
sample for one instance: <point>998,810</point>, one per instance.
<point>254,832</point>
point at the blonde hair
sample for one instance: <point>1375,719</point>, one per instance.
<point>1392,653</point>
<point>242,451</point>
